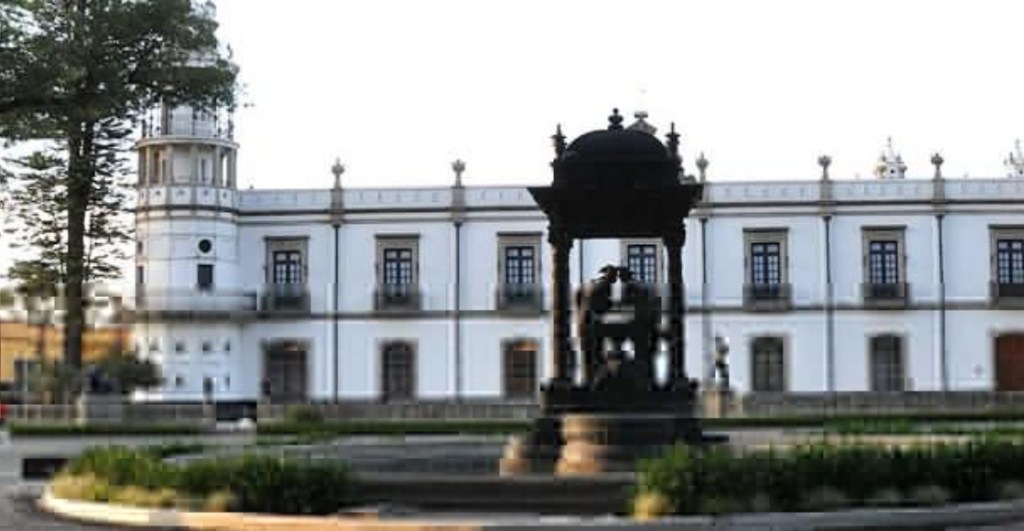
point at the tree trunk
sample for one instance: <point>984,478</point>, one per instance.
<point>79,179</point>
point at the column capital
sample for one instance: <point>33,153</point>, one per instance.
<point>675,238</point>
<point>558,237</point>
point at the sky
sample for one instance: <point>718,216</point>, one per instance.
<point>399,89</point>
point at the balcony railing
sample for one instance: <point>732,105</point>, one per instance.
<point>397,297</point>
<point>885,295</point>
<point>285,298</point>
<point>1006,294</point>
<point>767,297</point>
<point>165,300</point>
<point>525,298</point>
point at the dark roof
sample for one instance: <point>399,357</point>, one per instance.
<point>616,158</point>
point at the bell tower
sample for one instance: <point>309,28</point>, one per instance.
<point>187,279</point>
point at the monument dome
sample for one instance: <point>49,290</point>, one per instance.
<point>617,157</point>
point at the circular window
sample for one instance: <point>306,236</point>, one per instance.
<point>205,245</point>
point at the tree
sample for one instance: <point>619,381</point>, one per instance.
<point>37,222</point>
<point>127,372</point>
<point>80,73</point>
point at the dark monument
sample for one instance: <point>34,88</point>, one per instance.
<point>612,183</point>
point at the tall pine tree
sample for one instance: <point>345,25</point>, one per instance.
<point>79,72</point>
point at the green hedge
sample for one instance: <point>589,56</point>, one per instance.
<point>396,427</point>
<point>255,483</point>
<point>57,430</point>
<point>815,477</point>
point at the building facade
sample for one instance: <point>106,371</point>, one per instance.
<point>405,294</point>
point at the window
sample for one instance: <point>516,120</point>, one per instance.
<point>642,262</point>
<point>287,267</point>
<point>768,365</point>
<point>398,267</point>
<point>765,263</point>
<point>886,361</point>
<point>207,347</point>
<point>520,265</point>
<point>520,368</point>
<point>227,347</point>
<point>204,276</point>
<point>398,376</point>
<point>154,345</point>
<point>140,275</point>
<point>179,382</point>
<point>1010,261</point>
<point>883,262</point>
<point>766,286</point>
<point>205,245</point>
<point>202,171</point>
<point>179,347</point>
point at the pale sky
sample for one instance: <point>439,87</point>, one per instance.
<point>399,89</point>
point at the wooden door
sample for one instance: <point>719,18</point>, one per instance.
<point>1010,362</point>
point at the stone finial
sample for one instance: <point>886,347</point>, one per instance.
<point>458,166</point>
<point>890,164</point>
<point>702,166</point>
<point>824,161</point>
<point>673,143</point>
<point>558,140</point>
<point>615,120</point>
<point>337,169</point>
<point>641,124</point>
<point>937,161</point>
<point>1015,162</point>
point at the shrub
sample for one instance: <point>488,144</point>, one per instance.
<point>219,501</point>
<point>824,498</point>
<point>884,497</point>
<point>929,495</point>
<point>650,505</point>
<point>822,477</point>
<point>1010,490</point>
<point>248,483</point>
<point>304,414</point>
<point>86,487</point>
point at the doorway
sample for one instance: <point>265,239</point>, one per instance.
<point>285,370</point>
<point>1010,362</point>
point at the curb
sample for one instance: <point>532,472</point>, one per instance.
<point>140,517</point>
<point>972,514</point>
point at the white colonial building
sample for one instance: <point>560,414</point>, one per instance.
<point>892,283</point>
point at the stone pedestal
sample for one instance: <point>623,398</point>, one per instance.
<point>597,431</point>
<point>93,408</point>
<point>718,402</point>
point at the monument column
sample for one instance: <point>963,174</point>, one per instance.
<point>677,350</point>
<point>561,244</point>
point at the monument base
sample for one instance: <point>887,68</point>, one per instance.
<point>587,431</point>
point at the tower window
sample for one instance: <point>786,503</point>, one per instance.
<point>204,276</point>
<point>205,245</point>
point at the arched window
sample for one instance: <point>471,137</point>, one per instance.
<point>398,371</point>
<point>886,364</point>
<point>768,365</point>
<point>519,368</point>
